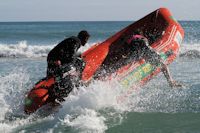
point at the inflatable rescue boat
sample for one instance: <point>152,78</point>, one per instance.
<point>164,34</point>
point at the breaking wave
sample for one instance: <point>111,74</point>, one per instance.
<point>24,50</point>
<point>190,51</point>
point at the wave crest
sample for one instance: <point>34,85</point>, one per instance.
<point>22,49</point>
<point>191,54</point>
<point>190,51</point>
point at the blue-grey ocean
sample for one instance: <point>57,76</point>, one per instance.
<point>154,108</point>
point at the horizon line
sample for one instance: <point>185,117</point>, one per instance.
<point>77,21</point>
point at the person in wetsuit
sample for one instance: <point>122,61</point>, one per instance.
<point>129,49</point>
<point>64,54</point>
<point>140,49</point>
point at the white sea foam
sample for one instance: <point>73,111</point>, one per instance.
<point>89,109</point>
<point>187,47</point>
<point>190,50</point>
<point>82,110</point>
<point>87,121</point>
<point>85,109</point>
<point>11,97</point>
<point>24,50</point>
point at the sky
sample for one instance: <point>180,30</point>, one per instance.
<point>93,10</point>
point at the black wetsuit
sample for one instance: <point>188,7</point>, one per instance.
<point>63,52</point>
<point>126,53</point>
<point>140,49</point>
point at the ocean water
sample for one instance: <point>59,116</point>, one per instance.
<point>154,108</point>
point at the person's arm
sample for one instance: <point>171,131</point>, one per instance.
<point>166,73</point>
<point>154,58</point>
<point>168,76</point>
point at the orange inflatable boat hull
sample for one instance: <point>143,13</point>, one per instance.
<point>164,34</point>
